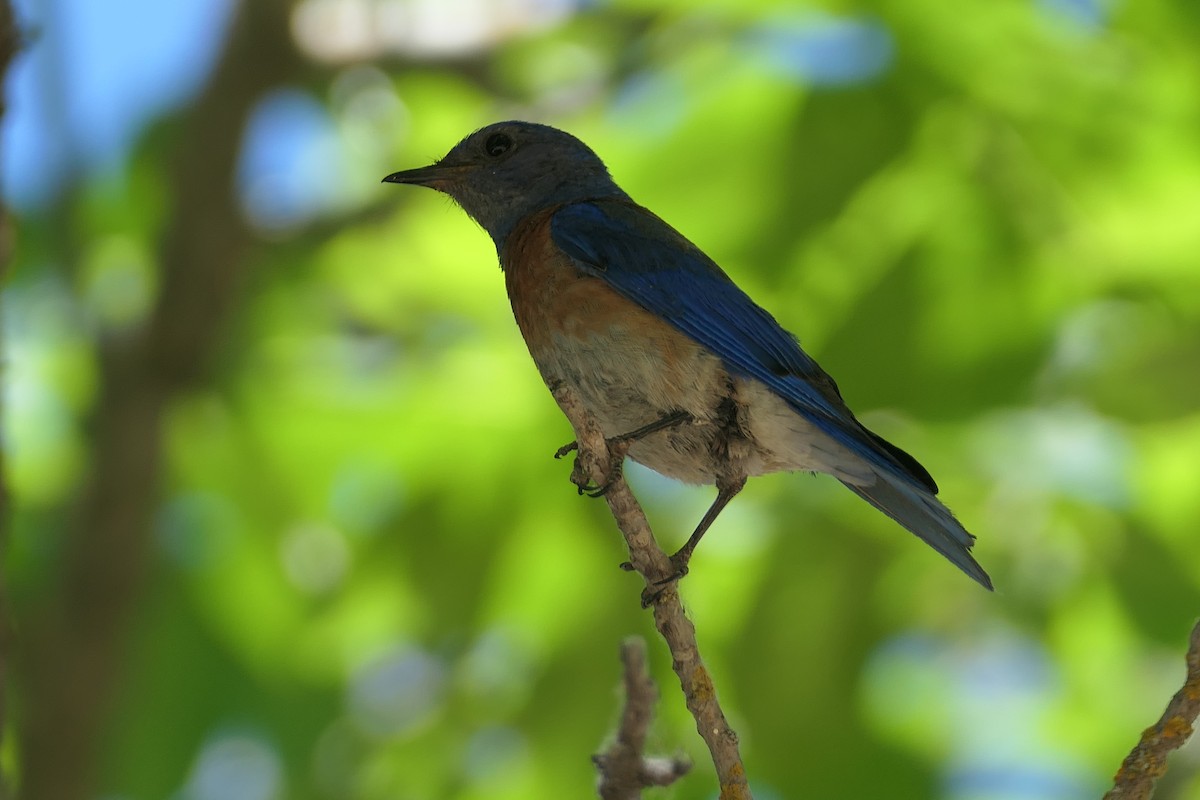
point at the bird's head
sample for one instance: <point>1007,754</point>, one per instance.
<point>508,170</point>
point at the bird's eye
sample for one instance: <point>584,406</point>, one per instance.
<point>497,145</point>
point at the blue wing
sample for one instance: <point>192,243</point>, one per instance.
<point>649,262</point>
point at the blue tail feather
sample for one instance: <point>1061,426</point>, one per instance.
<point>917,509</point>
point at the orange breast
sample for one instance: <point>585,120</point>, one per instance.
<point>551,296</point>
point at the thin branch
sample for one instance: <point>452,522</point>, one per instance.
<point>624,770</point>
<point>1147,762</point>
<point>593,467</point>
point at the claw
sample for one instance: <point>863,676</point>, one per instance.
<point>615,471</point>
<point>592,490</point>
<point>613,474</point>
<point>656,589</point>
<point>652,594</point>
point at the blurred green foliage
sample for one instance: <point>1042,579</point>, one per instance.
<point>368,579</point>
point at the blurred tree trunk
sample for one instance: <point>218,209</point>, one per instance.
<point>10,43</point>
<point>72,651</point>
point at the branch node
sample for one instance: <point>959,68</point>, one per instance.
<point>624,770</point>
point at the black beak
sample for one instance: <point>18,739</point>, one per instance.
<point>434,176</point>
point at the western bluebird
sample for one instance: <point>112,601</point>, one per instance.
<point>662,347</point>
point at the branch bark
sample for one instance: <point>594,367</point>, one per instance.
<point>624,769</point>
<point>1147,762</point>
<point>592,466</point>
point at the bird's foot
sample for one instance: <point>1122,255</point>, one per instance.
<point>586,486</point>
<point>655,589</point>
<point>679,567</point>
<point>618,446</point>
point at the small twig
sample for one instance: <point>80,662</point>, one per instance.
<point>624,770</point>
<point>1147,762</point>
<point>649,560</point>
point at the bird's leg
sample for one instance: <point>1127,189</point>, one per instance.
<point>727,489</point>
<point>667,421</point>
<point>618,446</point>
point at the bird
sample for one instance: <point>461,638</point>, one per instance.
<point>666,352</point>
